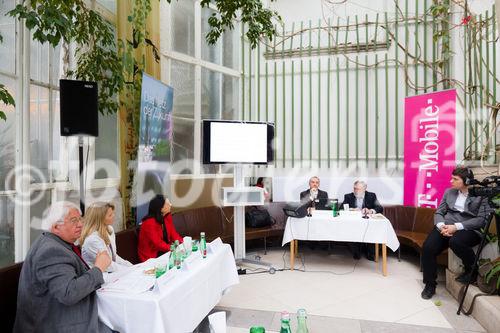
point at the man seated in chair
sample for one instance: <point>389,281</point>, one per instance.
<point>458,221</point>
<point>367,203</point>
<point>314,195</point>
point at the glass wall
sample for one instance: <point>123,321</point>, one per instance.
<point>50,175</point>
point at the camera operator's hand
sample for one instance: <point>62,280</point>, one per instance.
<point>448,230</point>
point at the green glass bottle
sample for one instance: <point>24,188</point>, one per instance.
<point>203,244</point>
<point>257,329</point>
<point>301,321</point>
<point>177,259</point>
<point>171,259</point>
<point>285,323</point>
<point>335,207</point>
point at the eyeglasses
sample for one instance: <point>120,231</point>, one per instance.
<point>75,220</point>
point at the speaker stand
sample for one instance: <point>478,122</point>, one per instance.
<point>80,172</point>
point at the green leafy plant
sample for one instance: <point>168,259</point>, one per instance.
<point>494,272</point>
<point>490,237</point>
<point>252,12</point>
<point>54,21</point>
<point>496,201</point>
<point>5,97</point>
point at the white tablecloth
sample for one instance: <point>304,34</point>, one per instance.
<point>182,302</point>
<point>322,226</point>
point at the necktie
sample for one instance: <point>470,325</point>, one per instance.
<point>76,249</point>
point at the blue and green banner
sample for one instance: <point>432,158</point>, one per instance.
<point>155,142</point>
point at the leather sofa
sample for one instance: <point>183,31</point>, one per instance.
<point>9,281</point>
<point>214,221</point>
<point>412,225</point>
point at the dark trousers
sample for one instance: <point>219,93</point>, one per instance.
<point>461,243</point>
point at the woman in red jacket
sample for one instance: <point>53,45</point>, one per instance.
<point>157,229</point>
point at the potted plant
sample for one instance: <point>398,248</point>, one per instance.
<point>493,275</point>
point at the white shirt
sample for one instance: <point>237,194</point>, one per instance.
<point>460,203</point>
<point>359,202</point>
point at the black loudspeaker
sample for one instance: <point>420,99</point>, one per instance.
<point>78,102</point>
<point>296,209</point>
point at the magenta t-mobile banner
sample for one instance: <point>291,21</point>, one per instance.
<point>429,147</point>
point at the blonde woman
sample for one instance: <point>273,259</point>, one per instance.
<point>98,235</point>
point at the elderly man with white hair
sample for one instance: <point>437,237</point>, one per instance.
<point>56,287</point>
<point>367,203</point>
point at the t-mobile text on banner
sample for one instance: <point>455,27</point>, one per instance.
<point>429,147</point>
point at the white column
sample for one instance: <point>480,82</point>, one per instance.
<point>239,217</point>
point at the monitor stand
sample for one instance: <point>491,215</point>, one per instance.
<point>239,227</point>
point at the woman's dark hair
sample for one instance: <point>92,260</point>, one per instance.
<point>260,181</point>
<point>155,206</point>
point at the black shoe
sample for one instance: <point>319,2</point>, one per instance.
<point>467,277</point>
<point>428,291</point>
<point>461,276</point>
<point>356,256</point>
<point>370,257</point>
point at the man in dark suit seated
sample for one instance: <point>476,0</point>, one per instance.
<point>317,197</point>
<point>458,220</point>
<point>367,203</point>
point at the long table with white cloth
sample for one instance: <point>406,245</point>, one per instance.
<point>347,227</point>
<point>176,302</point>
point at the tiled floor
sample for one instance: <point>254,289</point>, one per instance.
<point>341,295</point>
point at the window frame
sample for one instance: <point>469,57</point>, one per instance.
<point>168,54</point>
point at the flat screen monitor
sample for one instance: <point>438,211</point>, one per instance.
<point>237,142</point>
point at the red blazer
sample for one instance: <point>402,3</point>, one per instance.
<point>151,237</point>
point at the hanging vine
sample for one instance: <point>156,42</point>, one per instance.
<point>444,16</point>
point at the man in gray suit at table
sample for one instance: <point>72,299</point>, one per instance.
<point>458,221</point>
<point>56,287</point>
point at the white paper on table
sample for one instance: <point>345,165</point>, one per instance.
<point>217,322</point>
<point>134,282</point>
<point>350,212</point>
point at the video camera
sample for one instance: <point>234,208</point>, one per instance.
<point>488,187</point>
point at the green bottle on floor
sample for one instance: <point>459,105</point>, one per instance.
<point>285,323</point>
<point>301,321</point>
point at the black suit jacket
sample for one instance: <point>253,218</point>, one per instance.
<point>321,199</point>
<point>370,201</point>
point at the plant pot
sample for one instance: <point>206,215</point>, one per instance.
<point>490,251</point>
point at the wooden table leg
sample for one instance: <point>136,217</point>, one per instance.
<point>292,254</point>
<point>376,252</point>
<point>384,259</point>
